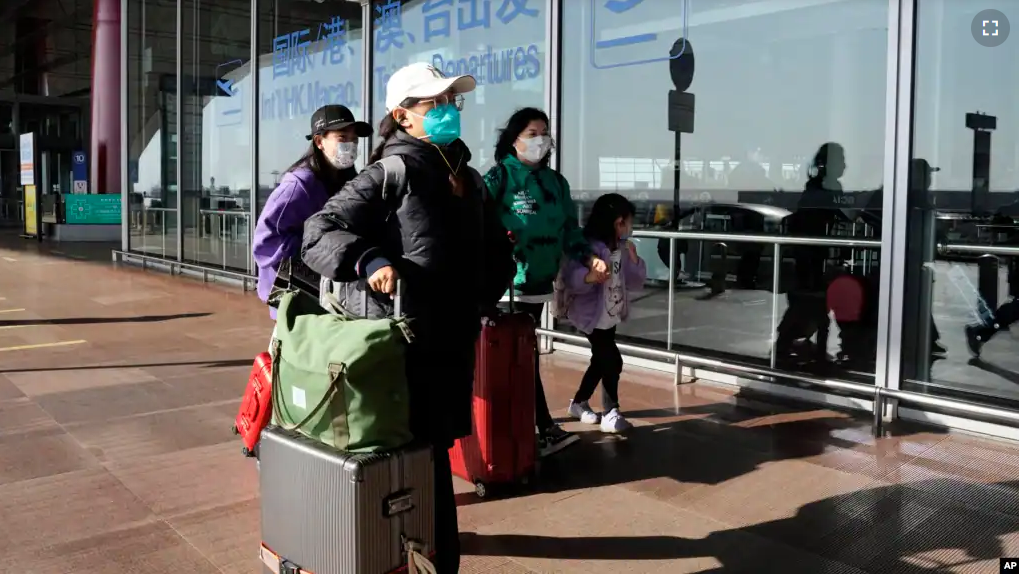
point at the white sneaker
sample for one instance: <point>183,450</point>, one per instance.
<point>584,413</point>
<point>613,422</point>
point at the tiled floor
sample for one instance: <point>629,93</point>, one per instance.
<point>116,456</point>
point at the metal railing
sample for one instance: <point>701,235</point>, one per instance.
<point>156,216</point>
<point>878,394</point>
<point>228,233</point>
<point>977,249</point>
<point>248,282</point>
<point>10,207</point>
<point>723,239</point>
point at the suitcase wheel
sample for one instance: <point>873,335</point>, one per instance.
<point>233,428</point>
<point>480,490</point>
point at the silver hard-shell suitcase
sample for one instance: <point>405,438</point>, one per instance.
<point>326,511</point>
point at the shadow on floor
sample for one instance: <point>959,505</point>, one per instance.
<point>94,252</point>
<point>997,370</point>
<point>98,320</point>
<point>212,364</point>
<point>927,527</point>
<point>688,450</point>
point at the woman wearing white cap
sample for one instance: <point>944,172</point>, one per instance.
<point>437,234</point>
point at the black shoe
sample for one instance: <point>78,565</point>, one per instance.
<point>974,339</point>
<point>938,351</point>
<point>554,439</point>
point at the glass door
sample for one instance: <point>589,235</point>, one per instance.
<point>216,130</point>
<point>962,275</point>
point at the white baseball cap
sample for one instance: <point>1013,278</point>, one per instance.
<point>422,81</point>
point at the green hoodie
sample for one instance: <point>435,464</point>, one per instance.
<point>537,209</point>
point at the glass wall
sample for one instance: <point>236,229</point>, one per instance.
<point>753,118</point>
<point>963,215</point>
<point>310,54</point>
<point>777,129</point>
<point>500,42</point>
<point>150,112</point>
<point>216,132</point>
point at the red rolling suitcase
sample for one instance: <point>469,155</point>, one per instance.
<point>846,294</point>
<point>256,407</point>
<point>503,447</point>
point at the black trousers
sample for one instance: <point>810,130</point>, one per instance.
<point>1004,317</point>
<point>447,530</point>
<point>542,416</point>
<point>806,315</point>
<point>606,367</point>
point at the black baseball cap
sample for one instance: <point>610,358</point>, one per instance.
<point>336,117</point>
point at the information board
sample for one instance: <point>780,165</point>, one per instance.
<point>31,211</point>
<point>26,145</point>
<point>79,172</point>
<point>92,209</point>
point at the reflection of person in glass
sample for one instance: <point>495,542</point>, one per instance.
<point>1008,313</point>
<point>318,174</point>
<point>920,180</point>
<point>749,175</point>
<point>819,208</point>
<point>443,240</point>
<point>535,205</point>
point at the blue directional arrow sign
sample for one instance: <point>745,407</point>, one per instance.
<point>612,48</point>
<point>227,86</point>
<point>230,107</point>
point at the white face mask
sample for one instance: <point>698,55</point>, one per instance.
<point>344,155</point>
<point>536,148</point>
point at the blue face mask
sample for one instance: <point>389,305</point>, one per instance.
<point>626,235</point>
<point>442,124</point>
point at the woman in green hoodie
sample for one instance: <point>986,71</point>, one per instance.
<point>537,209</point>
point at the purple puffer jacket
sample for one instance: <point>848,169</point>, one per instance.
<point>280,227</point>
<point>587,301</point>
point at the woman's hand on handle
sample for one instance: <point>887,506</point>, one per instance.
<point>384,280</point>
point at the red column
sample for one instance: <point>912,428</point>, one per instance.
<point>105,147</point>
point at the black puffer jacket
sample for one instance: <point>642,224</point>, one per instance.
<point>454,258</point>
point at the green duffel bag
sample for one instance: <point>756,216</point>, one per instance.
<point>340,379</point>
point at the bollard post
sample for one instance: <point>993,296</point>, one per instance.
<point>672,293</point>
<point>776,278</point>
<point>719,269</point>
<point>222,236</point>
<point>987,280</point>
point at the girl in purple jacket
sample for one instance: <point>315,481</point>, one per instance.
<point>321,172</point>
<point>596,305</point>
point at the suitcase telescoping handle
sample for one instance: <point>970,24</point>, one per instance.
<point>397,299</point>
<point>512,304</point>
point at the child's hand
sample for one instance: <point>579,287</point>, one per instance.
<point>631,249</point>
<point>595,277</point>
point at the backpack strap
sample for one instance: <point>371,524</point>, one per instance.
<point>479,181</point>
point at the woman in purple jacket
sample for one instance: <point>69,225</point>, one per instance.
<point>321,172</point>
<point>597,305</point>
